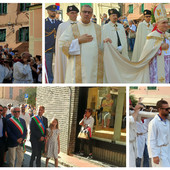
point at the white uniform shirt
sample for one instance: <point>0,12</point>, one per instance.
<point>22,73</point>
<point>142,130</point>
<point>159,140</point>
<point>26,117</point>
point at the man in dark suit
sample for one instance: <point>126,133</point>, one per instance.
<point>16,131</point>
<point>51,26</point>
<point>38,127</point>
<point>2,136</point>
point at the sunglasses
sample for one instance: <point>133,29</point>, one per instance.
<point>167,109</point>
<point>1,110</point>
<point>16,111</point>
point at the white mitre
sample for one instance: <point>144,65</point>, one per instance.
<point>160,13</point>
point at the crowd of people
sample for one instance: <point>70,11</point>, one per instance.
<point>17,68</point>
<point>107,59</point>
<point>16,125</point>
<point>149,136</point>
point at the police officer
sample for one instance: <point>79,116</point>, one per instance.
<point>51,26</point>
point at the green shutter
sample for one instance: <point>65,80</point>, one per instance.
<point>130,9</point>
<point>2,35</point>
<point>134,87</point>
<point>142,8</point>
<point>152,88</point>
<point>0,8</point>
<point>21,34</point>
<point>27,5</point>
<point>27,34</point>
<point>5,8</point>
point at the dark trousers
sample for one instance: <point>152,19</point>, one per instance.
<point>36,152</point>
<point>2,151</point>
<point>88,142</point>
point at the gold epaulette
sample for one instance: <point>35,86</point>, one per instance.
<point>154,37</point>
<point>49,33</point>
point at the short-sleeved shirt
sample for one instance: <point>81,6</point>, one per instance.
<point>107,105</point>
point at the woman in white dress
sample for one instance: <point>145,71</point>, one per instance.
<point>52,145</point>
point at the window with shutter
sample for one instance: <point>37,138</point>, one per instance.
<point>24,6</point>
<point>130,9</point>
<point>2,35</point>
<point>134,87</point>
<point>152,88</point>
<point>24,34</point>
<point>3,8</point>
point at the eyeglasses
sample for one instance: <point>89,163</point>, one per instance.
<point>1,110</point>
<point>167,109</point>
<point>16,111</point>
<point>89,12</point>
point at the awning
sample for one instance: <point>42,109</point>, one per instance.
<point>150,101</point>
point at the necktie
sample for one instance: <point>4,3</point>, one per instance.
<point>53,21</point>
<point>118,39</point>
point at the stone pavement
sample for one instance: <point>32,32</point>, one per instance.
<point>72,161</point>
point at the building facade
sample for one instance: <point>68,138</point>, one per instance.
<point>134,11</point>
<point>35,33</point>
<point>16,22</point>
<point>68,105</point>
<point>151,95</point>
<point>11,92</point>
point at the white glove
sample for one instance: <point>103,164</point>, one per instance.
<point>119,48</point>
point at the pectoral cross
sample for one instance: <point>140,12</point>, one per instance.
<point>161,79</point>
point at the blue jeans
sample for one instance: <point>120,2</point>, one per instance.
<point>145,158</point>
<point>131,43</point>
<point>49,61</point>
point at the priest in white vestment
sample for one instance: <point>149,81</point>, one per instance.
<point>60,58</point>
<point>144,28</point>
<point>81,43</point>
<point>159,136</point>
<point>114,33</point>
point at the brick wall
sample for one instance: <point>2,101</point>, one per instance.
<point>57,105</point>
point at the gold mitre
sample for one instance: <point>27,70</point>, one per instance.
<point>160,13</point>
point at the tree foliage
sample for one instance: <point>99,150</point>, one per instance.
<point>31,91</point>
<point>152,16</point>
<point>133,100</point>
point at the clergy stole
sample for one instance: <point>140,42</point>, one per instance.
<point>78,69</point>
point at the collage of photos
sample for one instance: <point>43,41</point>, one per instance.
<point>90,84</point>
